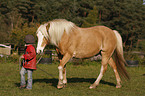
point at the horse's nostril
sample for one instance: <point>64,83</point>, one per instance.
<point>38,51</point>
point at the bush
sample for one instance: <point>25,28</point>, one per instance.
<point>10,58</point>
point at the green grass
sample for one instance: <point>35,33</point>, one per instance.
<point>79,79</point>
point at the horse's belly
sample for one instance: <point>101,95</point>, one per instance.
<point>85,53</point>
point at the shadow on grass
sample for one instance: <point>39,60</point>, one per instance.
<point>53,82</point>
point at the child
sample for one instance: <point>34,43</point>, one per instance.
<point>29,63</point>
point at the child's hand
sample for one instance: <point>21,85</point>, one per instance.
<point>22,57</point>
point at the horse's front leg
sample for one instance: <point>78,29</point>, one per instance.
<point>64,75</point>
<point>62,71</point>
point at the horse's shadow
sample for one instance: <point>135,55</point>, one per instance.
<point>53,82</point>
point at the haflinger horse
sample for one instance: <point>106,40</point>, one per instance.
<point>73,41</point>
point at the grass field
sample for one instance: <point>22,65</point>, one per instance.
<point>79,79</point>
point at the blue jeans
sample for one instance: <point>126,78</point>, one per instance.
<point>30,80</point>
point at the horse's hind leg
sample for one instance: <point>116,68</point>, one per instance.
<point>105,58</point>
<point>96,83</point>
<point>113,65</point>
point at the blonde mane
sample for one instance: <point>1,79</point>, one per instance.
<point>57,28</point>
<point>43,30</point>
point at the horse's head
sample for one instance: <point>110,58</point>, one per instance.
<point>42,36</point>
<point>56,29</point>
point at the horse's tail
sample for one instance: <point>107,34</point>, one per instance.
<point>119,58</point>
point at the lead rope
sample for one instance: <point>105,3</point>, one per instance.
<point>39,60</point>
<point>42,69</point>
<point>20,65</point>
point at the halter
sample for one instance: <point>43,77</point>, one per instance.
<point>46,37</point>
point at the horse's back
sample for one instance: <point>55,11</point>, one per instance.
<point>87,42</point>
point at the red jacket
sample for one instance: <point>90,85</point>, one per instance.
<point>30,57</point>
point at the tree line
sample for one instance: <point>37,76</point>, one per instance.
<point>21,17</point>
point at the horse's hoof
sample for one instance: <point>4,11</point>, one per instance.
<point>92,87</point>
<point>60,86</point>
<point>118,86</point>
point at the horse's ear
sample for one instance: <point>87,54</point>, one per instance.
<point>47,27</point>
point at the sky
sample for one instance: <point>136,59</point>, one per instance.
<point>143,2</point>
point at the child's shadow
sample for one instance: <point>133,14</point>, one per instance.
<point>52,82</point>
